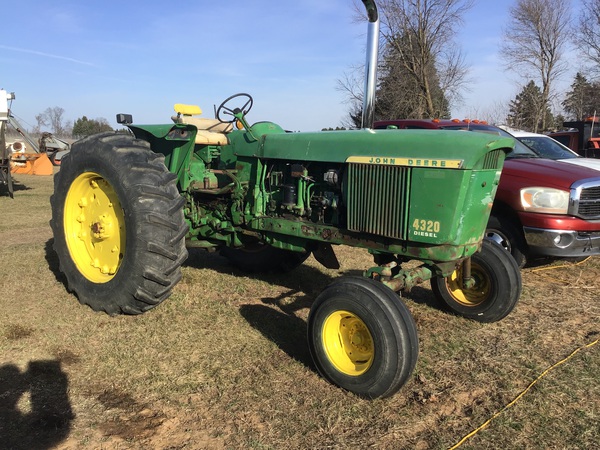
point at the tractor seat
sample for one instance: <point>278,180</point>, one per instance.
<point>210,131</point>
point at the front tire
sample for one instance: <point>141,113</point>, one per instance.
<point>118,224</point>
<point>362,337</point>
<point>496,290</point>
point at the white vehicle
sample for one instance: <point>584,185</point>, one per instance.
<point>549,148</point>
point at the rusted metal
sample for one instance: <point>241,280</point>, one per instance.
<point>407,279</point>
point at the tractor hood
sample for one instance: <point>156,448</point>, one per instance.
<point>414,147</point>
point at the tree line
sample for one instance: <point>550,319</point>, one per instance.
<point>53,119</point>
<point>422,70</point>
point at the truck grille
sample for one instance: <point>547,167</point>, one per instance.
<point>377,199</point>
<point>586,198</point>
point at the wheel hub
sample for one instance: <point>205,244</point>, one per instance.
<point>476,291</point>
<point>94,225</point>
<point>348,343</point>
<point>102,228</point>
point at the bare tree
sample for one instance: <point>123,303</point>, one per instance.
<point>53,118</point>
<point>534,42</point>
<point>419,34</point>
<point>588,36</point>
<point>421,64</point>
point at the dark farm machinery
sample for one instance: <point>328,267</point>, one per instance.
<point>125,207</point>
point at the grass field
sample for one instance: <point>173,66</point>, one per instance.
<point>224,363</point>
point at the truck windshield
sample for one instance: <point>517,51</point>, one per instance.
<point>548,147</point>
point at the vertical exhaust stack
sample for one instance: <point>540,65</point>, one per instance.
<point>368,114</point>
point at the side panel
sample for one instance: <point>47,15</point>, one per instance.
<point>452,206</point>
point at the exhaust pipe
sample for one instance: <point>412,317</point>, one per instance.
<point>368,113</point>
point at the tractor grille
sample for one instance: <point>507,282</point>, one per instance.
<point>377,199</point>
<point>589,202</point>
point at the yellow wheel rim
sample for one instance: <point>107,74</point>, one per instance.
<point>473,296</point>
<point>94,226</point>
<point>348,343</point>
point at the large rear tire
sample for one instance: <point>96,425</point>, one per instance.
<point>118,224</point>
<point>362,337</point>
<point>496,289</point>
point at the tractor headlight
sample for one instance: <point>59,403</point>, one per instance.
<point>545,200</point>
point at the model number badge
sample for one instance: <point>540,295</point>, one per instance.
<point>427,228</point>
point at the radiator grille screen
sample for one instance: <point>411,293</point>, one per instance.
<point>377,199</point>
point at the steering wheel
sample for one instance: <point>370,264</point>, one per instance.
<point>223,110</point>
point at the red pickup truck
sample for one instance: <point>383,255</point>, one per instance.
<point>542,207</point>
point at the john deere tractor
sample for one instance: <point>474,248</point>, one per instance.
<point>126,207</point>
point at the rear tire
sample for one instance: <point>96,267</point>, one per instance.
<point>118,224</point>
<point>362,337</point>
<point>496,291</point>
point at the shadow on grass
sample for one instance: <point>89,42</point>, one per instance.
<point>287,331</point>
<point>52,260</point>
<point>276,318</point>
<point>305,279</point>
<point>46,421</point>
<point>423,296</point>
<point>16,187</point>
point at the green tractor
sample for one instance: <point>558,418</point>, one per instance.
<point>126,207</point>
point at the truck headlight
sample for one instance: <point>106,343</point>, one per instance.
<point>545,200</point>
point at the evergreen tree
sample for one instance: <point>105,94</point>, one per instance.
<point>528,111</point>
<point>409,86</point>
<point>583,100</point>
<point>86,127</point>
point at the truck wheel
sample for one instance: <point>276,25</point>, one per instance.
<point>495,293</point>
<point>504,233</point>
<point>362,337</point>
<point>263,258</point>
<point>118,224</point>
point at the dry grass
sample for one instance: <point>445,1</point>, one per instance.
<point>224,362</point>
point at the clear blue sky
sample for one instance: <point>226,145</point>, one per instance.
<point>141,57</point>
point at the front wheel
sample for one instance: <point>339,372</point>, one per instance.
<point>118,224</point>
<point>362,337</point>
<point>496,288</point>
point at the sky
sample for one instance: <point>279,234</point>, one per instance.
<point>100,58</point>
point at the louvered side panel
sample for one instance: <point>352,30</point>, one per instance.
<point>492,159</point>
<point>377,199</point>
